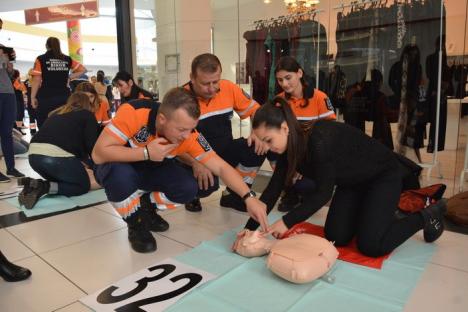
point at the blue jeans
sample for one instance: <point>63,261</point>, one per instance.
<point>68,172</point>
<point>7,118</point>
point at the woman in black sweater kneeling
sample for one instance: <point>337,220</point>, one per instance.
<point>362,176</point>
<point>60,152</point>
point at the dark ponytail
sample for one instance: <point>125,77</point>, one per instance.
<point>53,45</point>
<point>272,115</point>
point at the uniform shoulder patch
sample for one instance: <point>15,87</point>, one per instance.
<point>142,135</point>
<point>203,143</point>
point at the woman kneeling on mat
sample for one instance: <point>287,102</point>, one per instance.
<point>60,152</point>
<point>362,176</point>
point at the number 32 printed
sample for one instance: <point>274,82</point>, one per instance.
<point>106,297</point>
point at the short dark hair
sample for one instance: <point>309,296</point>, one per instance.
<point>180,98</point>
<point>207,62</point>
<point>122,75</point>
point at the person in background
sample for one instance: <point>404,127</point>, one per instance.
<point>7,112</point>
<point>20,88</point>
<point>218,99</point>
<point>108,94</point>
<point>51,74</point>
<point>115,99</point>
<point>128,89</point>
<point>307,103</point>
<point>31,110</point>
<point>61,152</point>
<point>102,111</point>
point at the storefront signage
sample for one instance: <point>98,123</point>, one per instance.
<point>63,12</point>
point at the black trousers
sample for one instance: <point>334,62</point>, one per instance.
<point>367,212</point>
<point>48,104</point>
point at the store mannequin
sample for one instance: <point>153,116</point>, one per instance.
<point>299,259</point>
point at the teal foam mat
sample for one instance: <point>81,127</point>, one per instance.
<point>51,204</point>
<point>247,285</point>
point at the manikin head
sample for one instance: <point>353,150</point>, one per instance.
<point>253,244</point>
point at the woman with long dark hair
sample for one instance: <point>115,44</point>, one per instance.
<point>51,73</point>
<point>61,151</point>
<point>307,103</point>
<point>361,176</point>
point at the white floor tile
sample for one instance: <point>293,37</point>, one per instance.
<point>439,289</point>
<point>97,262</point>
<point>12,248</point>
<point>46,290</point>
<point>75,307</point>
<point>6,208</point>
<point>65,229</point>
<point>452,251</point>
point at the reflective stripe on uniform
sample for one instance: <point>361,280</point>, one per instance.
<point>252,104</point>
<point>162,202</point>
<point>215,113</point>
<point>129,205</point>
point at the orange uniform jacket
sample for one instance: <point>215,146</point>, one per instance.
<point>135,125</point>
<point>216,113</point>
<point>319,107</point>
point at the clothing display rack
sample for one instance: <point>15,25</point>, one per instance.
<point>363,4</point>
<point>291,18</point>
<point>464,170</point>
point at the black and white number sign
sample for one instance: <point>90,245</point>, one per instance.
<point>152,289</point>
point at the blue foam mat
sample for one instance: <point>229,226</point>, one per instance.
<point>51,203</point>
<point>247,285</point>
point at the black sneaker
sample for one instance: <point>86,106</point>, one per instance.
<point>157,223</point>
<point>289,201</point>
<point>141,239</point>
<point>231,200</point>
<point>149,213</point>
<point>4,178</point>
<point>433,220</point>
<point>14,173</point>
<point>194,205</point>
<point>33,192</point>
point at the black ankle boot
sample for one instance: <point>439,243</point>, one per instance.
<point>149,213</point>
<point>194,205</point>
<point>433,216</point>
<point>139,236</point>
<point>11,272</point>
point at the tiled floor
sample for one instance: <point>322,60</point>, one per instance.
<point>79,252</point>
<point>76,253</point>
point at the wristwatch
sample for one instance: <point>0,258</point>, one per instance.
<point>248,195</point>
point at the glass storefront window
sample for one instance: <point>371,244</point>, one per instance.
<point>361,55</point>
<point>146,48</point>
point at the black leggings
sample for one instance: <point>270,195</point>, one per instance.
<point>68,172</point>
<point>368,212</point>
